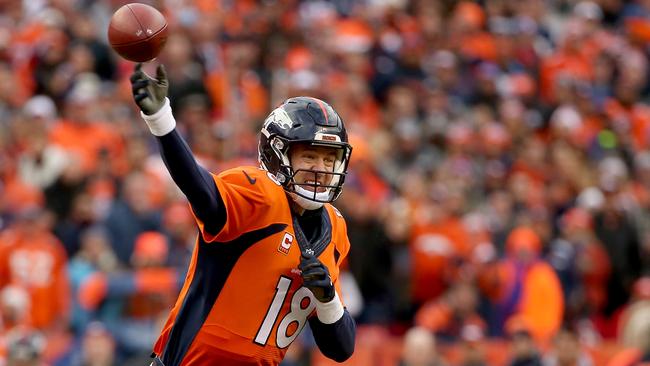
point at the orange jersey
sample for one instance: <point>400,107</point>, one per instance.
<point>243,302</point>
<point>38,264</point>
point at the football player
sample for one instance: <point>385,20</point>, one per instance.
<point>267,258</point>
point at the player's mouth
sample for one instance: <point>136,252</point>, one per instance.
<point>312,185</point>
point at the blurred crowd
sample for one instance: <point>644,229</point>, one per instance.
<point>499,188</point>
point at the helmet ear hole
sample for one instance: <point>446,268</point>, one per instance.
<point>278,144</point>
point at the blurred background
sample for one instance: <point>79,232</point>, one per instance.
<point>498,200</point>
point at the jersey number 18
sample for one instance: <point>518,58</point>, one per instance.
<point>297,314</point>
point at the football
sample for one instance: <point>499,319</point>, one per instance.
<point>137,32</point>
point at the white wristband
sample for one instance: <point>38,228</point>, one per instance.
<point>161,122</point>
<point>330,312</point>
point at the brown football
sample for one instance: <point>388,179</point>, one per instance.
<point>137,32</point>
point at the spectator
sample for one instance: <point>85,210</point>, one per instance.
<point>451,314</point>
<point>83,216</point>
<point>376,250</point>
<point>635,334</point>
<point>83,133</point>
<point>439,245</point>
<point>97,348</point>
<point>25,348</point>
<point>567,351</point>
<point>634,327</point>
<point>524,349</point>
<point>15,308</point>
<point>138,299</point>
<point>528,288</point>
<point>472,347</point>
<point>95,255</point>
<point>42,162</point>
<point>131,214</point>
<point>420,349</point>
<point>582,265</point>
<point>31,257</point>
<point>179,227</point>
<point>616,230</point>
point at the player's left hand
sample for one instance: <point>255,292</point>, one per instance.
<point>316,278</point>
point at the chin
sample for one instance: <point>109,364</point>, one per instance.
<point>306,203</point>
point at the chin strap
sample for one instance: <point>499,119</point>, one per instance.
<point>320,197</point>
<point>305,203</point>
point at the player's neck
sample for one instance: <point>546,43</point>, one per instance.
<point>296,208</point>
<point>300,211</point>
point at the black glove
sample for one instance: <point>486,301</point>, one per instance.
<point>149,93</point>
<point>316,278</point>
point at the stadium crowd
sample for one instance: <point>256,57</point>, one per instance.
<point>498,200</point>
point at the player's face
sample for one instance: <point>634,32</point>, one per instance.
<point>319,158</point>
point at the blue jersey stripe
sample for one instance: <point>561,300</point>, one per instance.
<point>214,263</point>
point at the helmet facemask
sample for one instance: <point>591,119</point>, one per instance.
<point>312,122</point>
<point>310,194</point>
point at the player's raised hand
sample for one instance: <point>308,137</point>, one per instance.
<point>316,277</point>
<point>149,93</point>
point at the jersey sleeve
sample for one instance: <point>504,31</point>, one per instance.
<point>342,244</point>
<point>341,248</point>
<point>196,183</point>
<point>248,202</point>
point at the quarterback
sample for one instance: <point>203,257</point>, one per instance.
<point>270,243</point>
